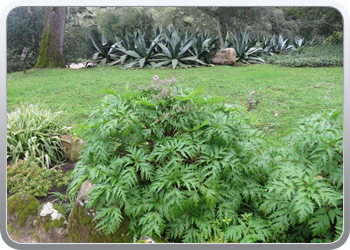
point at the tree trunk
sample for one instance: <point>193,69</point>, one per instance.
<point>222,32</point>
<point>218,15</point>
<point>52,41</point>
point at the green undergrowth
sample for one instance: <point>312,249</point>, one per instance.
<point>191,169</point>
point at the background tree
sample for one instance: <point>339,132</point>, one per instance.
<point>24,29</point>
<point>79,25</point>
<point>227,17</point>
<point>315,21</point>
<point>52,40</point>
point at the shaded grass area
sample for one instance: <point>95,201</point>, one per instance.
<point>284,94</point>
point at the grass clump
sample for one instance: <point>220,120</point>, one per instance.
<point>35,130</point>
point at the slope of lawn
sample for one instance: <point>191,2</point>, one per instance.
<point>285,94</point>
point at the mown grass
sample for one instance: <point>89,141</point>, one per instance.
<point>284,94</point>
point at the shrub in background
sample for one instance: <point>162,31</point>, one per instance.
<point>335,39</point>
<point>318,56</point>
<point>36,129</point>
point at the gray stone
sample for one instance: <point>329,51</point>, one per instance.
<point>83,194</point>
<point>75,152</point>
<point>224,57</point>
<point>21,211</point>
<point>51,224</point>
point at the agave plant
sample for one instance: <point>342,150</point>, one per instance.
<point>140,54</point>
<point>246,49</point>
<point>104,54</point>
<point>298,43</point>
<point>204,46</point>
<point>176,50</point>
<point>277,45</point>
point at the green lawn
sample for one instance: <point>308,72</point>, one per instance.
<point>284,94</point>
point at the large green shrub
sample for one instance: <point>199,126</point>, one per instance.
<point>175,163</point>
<point>190,169</point>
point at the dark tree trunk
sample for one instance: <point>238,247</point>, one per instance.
<point>217,14</point>
<point>52,40</point>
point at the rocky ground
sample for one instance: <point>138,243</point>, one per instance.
<point>28,236</point>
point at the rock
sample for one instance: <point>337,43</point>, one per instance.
<point>83,194</point>
<point>22,210</point>
<point>75,151</point>
<point>72,146</point>
<point>224,57</point>
<point>154,239</point>
<point>51,224</point>
<point>66,141</point>
<point>82,228</point>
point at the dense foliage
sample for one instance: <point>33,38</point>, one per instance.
<point>173,162</point>
<point>35,129</point>
<point>28,178</point>
<point>304,198</point>
<point>24,28</point>
<point>192,169</point>
<point>318,56</point>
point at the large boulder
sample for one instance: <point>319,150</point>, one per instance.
<point>21,211</point>
<point>224,57</point>
<point>82,227</point>
<point>51,224</point>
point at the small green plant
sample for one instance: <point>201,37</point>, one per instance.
<point>66,201</point>
<point>28,178</point>
<point>35,129</point>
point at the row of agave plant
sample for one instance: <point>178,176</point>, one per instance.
<point>170,48</point>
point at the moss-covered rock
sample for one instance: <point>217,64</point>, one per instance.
<point>51,224</point>
<point>82,228</point>
<point>22,210</point>
<point>75,152</point>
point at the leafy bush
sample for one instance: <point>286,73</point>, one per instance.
<point>35,129</point>
<point>15,64</point>
<point>318,56</point>
<point>175,163</point>
<point>27,177</point>
<point>335,39</point>
<point>304,197</point>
